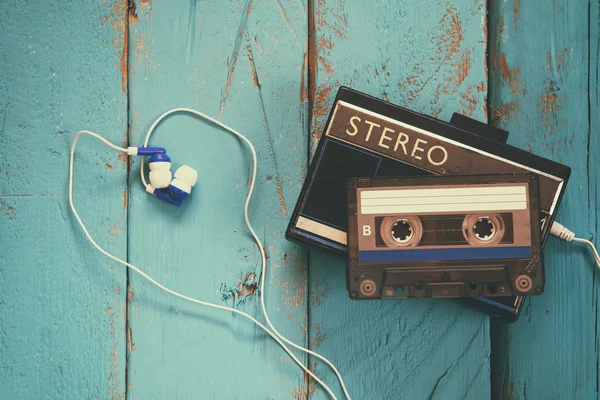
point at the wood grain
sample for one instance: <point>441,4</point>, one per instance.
<point>594,159</point>
<point>540,89</point>
<point>243,63</point>
<point>62,308</point>
<point>72,327</point>
<point>430,59</point>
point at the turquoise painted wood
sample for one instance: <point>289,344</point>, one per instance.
<point>243,63</point>
<point>544,92</point>
<point>430,58</point>
<point>75,325</point>
<point>594,145</point>
<point>62,314</point>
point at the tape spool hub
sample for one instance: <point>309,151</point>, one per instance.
<point>483,230</point>
<point>400,231</point>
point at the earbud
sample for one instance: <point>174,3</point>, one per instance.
<point>185,179</point>
<point>179,188</point>
<point>160,171</point>
<point>161,183</point>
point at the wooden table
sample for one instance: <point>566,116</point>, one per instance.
<point>75,325</point>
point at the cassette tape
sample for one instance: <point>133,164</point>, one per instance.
<point>453,236</point>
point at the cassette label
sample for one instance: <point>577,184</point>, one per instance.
<point>475,235</point>
<point>426,200</point>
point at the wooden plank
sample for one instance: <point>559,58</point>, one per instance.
<point>430,58</point>
<point>62,308</point>
<point>242,62</point>
<point>594,152</point>
<point>539,92</point>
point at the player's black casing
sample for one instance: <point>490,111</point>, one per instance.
<point>320,215</point>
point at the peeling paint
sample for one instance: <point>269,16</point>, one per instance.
<point>327,25</point>
<point>307,389</point>
<point>335,19</point>
<point>130,344</point>
<point>242,291</point>
<point>294,291</point>
<point>253,72</point>
<point>321,107</point>
<point>451,25</point>
<point>281,199</point>
<point>557,60</point>
<point>511,76</point>
<point>293,283</point>
<point>123,158</point>
<point>463,67</point>
<point>548,106</point>
<point>234,57</point>
<point>325,43</point>
<point>255,79</point>
<point>548,102</point>
<point>317,336</point>
<point>506,111</point>
<point>516,8</point>
<point>311,58</point>
<point>448,41</point>
<point>326,65</point>
<point>500,26</point>
<point>112,390</point>
<point>318,294</point>
<point>8,211</point>
<point>124,54</point>
<point>468,102</point>
<point>133,18</point>
<point>303,86</point>
<point>117,229</point>
<point>286,19</point>
<point>117,17</point>
<point>129,337</point>
<point>143,54</point>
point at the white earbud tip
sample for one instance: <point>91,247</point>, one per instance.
<point>160,179</point>
<point>159,166</point>
<point>187,175</point>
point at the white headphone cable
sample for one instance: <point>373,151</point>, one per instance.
<point>256,239</point>
<point>564,233</point>
<point>277,337</point>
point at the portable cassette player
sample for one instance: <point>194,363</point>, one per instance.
<point>365,137</point>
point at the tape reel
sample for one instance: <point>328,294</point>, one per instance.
<point>402,231</point>
<point>477,229</point>
<point>481,230</point>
